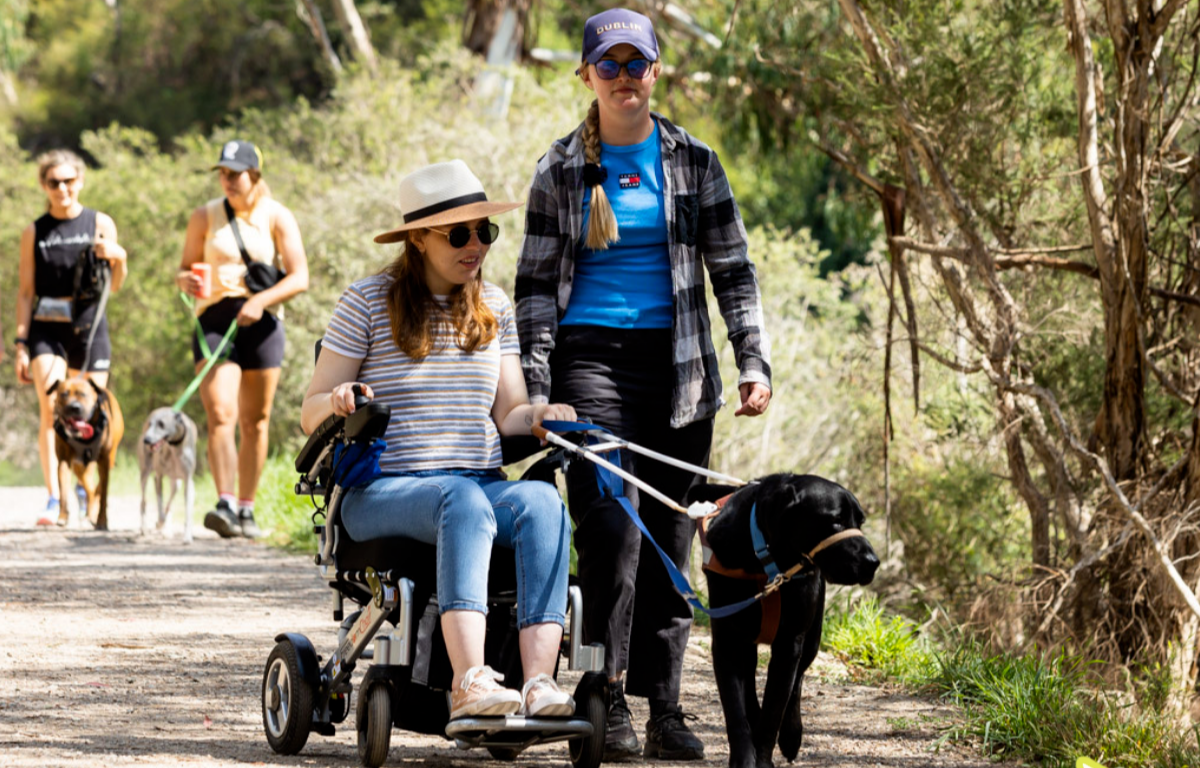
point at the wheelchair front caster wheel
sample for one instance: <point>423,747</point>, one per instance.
<point>507,754</point>
<point>287,701</point>
<point>374,725</point>
<point>590,704</point>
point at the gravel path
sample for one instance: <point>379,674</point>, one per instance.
<point>118,650</point>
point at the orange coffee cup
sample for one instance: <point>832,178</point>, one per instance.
<point>204,272</point>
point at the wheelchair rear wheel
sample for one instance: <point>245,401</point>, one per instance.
<point>588,751</point>
<point>287,701</point>
<point>374,725</point>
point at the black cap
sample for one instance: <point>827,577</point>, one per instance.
<point>239,155</point>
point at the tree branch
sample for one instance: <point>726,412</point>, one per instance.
<point>1030,258</point>
<point>1161,554</point>
<point>951,364</point>
<point>842,159</point>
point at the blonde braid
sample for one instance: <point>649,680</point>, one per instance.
<point>602,223</point>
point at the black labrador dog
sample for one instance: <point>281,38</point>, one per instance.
<point>810,528</point>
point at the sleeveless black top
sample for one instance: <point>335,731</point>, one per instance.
<point>57,244</point>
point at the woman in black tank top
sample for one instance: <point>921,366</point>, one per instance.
<point>50,247</point>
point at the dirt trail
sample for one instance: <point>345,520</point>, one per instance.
<point>119,650</point>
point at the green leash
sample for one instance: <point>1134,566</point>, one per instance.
<point>212,356</point>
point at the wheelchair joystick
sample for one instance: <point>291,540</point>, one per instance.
<point>360,400</point>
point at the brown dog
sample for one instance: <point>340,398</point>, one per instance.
<point>88,427</point>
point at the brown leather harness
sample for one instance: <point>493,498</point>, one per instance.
<point>768,594</point>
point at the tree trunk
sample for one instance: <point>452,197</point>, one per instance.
<point>7,90</point>
<point>317,25</point>
<point>355,31</point>
<point>496,29</point>
<point>485,20</point>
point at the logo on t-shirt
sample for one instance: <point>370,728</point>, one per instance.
<point>630,180</point>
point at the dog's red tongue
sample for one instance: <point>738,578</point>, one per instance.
<point>82,428</point>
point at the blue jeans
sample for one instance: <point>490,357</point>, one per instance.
<point>464,512</point>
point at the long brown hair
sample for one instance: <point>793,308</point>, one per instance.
<point>414,314</point>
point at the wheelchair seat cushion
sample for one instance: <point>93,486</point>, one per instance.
<point>416,560</point>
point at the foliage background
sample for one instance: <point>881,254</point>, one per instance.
<point>150,93</point>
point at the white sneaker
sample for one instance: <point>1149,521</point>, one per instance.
<point>541,697</point>
<point>481,694</point>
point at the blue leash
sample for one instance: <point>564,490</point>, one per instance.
<point>613,486</point>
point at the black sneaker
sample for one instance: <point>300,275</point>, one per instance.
<point>620,741</point>
<point>223,520</point>
<point>248,527</point>
<point>669,738</point>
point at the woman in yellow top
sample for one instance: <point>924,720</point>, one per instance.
<point>238,392</point>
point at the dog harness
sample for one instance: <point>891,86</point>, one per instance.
<point>771,578</point>
<point>85,450</point>
<point>608,477</point>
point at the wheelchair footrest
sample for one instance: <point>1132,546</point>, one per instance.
<point>515,730</point>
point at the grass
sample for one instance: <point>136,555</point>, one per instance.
<point>1042,708</point>
<point>878,648</point>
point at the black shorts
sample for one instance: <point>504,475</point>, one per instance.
<point>255,347</point>
<point>60,340</point>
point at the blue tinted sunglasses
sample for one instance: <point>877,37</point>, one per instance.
<point>637,69</point>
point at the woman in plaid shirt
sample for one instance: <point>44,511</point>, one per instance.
<point>624,217</point>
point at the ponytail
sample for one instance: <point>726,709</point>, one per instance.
<point>602,222</point>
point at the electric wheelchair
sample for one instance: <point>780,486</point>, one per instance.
<point>393,580</point>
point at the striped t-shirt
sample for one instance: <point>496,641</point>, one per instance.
<point>442,405</point>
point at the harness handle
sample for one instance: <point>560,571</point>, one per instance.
<point>549,432</point>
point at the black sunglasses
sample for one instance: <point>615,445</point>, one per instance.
<point>461,235</point>
<point>637,69</point>
<point>53,183</point>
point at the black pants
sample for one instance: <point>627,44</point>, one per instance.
<point>622,380</point>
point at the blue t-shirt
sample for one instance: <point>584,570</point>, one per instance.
<point>629,284</point>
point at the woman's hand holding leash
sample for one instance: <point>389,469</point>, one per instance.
<point>342,397</point>
<point>188,282</point>
<point>109,250</point>
<point>548,412</point>
<point>755,399</point>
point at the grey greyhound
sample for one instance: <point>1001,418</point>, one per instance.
<point>168,449</point>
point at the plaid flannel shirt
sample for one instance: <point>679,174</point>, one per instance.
<point>704,230</point>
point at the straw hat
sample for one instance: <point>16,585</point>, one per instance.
<point>440,194</point>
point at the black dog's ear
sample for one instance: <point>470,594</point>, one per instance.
<point>50,390</point>
<point>708,492</point>
<point>856,511</point>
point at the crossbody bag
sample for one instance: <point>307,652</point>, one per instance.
<point>259,275</point>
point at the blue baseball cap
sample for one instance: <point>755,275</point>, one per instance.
<point>616,26</point>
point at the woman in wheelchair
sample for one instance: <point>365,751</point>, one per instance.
<point>428,337</point>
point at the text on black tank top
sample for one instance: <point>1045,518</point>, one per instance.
<point>56,247</point>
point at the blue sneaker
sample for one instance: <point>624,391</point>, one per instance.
<point>81,494</point>
<point>51,505</point>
